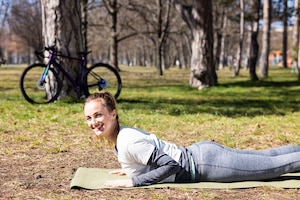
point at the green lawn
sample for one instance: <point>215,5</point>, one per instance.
<point>237,113</point>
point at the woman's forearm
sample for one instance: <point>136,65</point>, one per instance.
<point>166,167</point>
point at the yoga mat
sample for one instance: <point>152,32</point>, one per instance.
<point>93,179</point>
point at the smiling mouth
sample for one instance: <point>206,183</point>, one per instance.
<point>97,129</point>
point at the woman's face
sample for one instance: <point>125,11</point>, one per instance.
<point>100,119</point>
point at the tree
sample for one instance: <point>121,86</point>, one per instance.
<point>155,18</point>
<point>255,5</point>
<point>218,25</point>
<point>226,16</point>
<point>264,57</point>
<point>108,19</point>
<point>241,39</point>
<point>112,9</point>
<point>285,33</point>
<point>296,43</point>
<point>296,32</point>
<point>199,18</point>
<point>62,28</point>
<point>25,21</point>
<point>161,32</point>
<point>4,6</point>
<point>84,24</point>
<point>222,54</point>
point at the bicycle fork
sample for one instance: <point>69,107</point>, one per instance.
<point>41,82</point>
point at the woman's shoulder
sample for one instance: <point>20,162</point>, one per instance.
<point>132,134</point>
<point>127,130</point>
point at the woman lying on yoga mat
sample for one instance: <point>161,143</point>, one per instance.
<point>147,159</point>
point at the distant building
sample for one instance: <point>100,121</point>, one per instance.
<point>275,59</point>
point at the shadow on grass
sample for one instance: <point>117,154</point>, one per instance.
<point>251,84</point>
<point>232,108</point>
<point>272,98</point>
<point>233,99</point>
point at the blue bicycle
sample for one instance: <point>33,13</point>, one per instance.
<point>41,83</point>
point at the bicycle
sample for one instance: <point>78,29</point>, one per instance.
<point>40,83</point>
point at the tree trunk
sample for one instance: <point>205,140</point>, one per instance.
<point>217,49</point>
<point>159,37</point>
<point>254,48</point>
<point>264,57</point>
<point>253,56</point>
<point>3,11</point>
<point>84,24</point>
<point>161,32</point>
<point>223,41</point>
<point>296,34</point>
<point>186,51</point>
<point>199,18</point>
<point>285,33</point>
<point>241,39</point>
<point>248,47</point>
<point>112,8</point>
<point>158,51</point>
<point>62,28</point>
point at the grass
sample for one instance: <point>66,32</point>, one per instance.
<point>237,113</point>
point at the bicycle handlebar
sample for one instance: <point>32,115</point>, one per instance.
<point>40,53</point>
<point>51,48</point>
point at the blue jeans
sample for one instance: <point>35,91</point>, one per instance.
<point>214,162</point>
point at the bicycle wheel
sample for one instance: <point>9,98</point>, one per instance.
<point>101,76</point>
<point>35,91</point>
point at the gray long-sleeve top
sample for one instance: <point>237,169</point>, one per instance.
<point>164,166</point>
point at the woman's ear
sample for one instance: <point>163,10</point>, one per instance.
<point>114,113</point>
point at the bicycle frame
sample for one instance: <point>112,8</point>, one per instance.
<point>52,61</point>
<point>99,76</point>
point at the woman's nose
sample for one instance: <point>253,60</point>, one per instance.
<point>93,122</point>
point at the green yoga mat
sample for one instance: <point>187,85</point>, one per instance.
<point>93,179</point>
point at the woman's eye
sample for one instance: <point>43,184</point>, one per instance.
<point>98,115</point>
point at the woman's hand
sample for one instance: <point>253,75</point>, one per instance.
<point>118,171</point>
<point>119,183</point>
